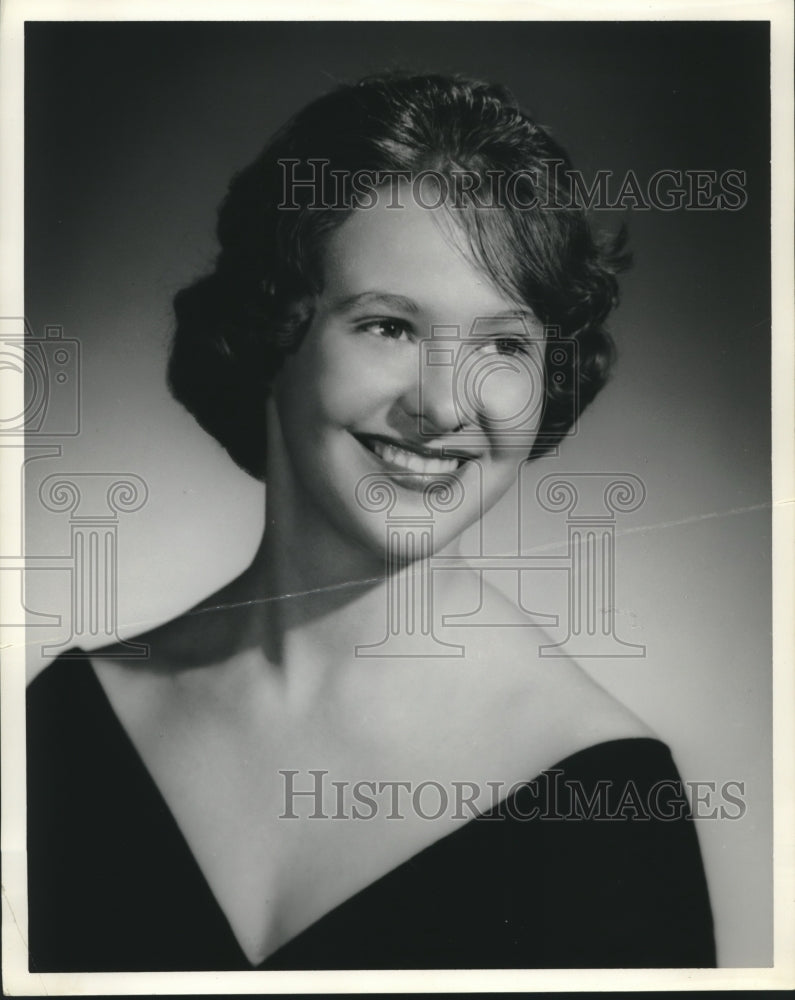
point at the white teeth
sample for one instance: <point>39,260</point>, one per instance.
<point>412,462</point>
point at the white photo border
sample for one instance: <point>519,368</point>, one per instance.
<point>17,979</point>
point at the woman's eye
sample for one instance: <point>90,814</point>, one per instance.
<point>510,345</point>
<point>389,329</point>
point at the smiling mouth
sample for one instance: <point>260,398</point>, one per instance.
<point>421,462</point>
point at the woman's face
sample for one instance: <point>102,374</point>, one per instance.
<point>417,377</point>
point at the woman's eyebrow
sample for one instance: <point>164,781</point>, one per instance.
<point>392,300</point>
<point>524,315</point>
<point>389,299</point>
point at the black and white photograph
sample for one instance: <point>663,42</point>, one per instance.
<point>394,466</point>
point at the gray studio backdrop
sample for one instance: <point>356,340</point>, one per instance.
<point>132,133</point>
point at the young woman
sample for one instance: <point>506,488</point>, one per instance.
<point>390,267</point>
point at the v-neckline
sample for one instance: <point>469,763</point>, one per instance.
<point>168,816</point>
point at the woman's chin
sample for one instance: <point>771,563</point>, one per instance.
<point>396,544</point>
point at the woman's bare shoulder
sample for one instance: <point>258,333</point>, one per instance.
<point>548,706</point>
<point>185,658</point>
<point>204,634</point>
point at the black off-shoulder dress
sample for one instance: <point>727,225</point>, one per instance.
<point>608,876</point>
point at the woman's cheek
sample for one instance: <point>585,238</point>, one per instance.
<point>513,403</point>
<point>353,389</point>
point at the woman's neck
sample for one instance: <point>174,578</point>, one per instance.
<point>316,592</point>
<point>318,601</point>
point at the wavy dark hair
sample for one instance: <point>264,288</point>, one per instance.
<point>236,324</point>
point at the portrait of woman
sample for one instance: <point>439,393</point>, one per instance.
<point>360,748</point>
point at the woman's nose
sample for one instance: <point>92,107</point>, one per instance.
<point>432,400</point>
